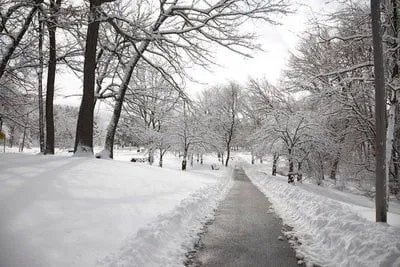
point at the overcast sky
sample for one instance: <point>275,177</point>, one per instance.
<point>276,41</point>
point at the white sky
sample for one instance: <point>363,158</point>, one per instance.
<point>276,41</point>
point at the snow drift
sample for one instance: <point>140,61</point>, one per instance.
<point>330,232</point>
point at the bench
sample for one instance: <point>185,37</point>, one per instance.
<point>139,159</point>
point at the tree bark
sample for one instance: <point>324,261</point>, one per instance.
<point>274,163</point>
<point>228,154</point>
<point>160,161</point>
<point>334,167</point>
<point>151,156</point>
<point>40,84</point>
<point>84,128</point>
<point>380,112</point>
<point>184,160</point>
<point>291,167</point>
<point>299,172</point>
<point>51,75</point>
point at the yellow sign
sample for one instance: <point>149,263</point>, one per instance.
<point>2,135</point>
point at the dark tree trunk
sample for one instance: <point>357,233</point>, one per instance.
<point>160,161</point>
<point>299,171</point>
<point>274,163</point>
<point>184,160</point>
<point>253,160</point>
<point>261,160</point>
<point>40,85</point>
<point>334,167</point>
<point>228,154</point>
<point>321,170</point>
<point>380,113</point>
<point>201,159</point>
<point>12,137</point>
<point>151,156</point>
<point>191,160</point>
<point>84,128</point>
<point>22,145</point>
<point>51,75</point>
<point>291,167</point>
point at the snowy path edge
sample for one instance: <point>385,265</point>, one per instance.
<point>329,233</point>
<point>165,241</point>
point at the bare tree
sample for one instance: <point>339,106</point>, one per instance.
<point>181,31</point>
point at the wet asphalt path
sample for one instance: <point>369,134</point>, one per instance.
<point>245,231</point>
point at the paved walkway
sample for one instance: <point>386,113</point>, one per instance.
<point>245,232</point>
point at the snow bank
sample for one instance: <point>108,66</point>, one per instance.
<point>165,241</point>
<point>330,232</point>
<point>71,211</point>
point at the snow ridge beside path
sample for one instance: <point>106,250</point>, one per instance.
<point>330,234</point>
<point>165,241</point>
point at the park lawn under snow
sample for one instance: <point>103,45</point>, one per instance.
<point>69,211</point>
<point>334,228</point>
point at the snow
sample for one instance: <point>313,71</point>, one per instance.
<point>333,228</point>
<point>74,211</point>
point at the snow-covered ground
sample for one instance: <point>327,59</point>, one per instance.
<point>68,211</point>
<point>334,228</point>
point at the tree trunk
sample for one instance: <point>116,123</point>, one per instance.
<point>380,112</point>
<point>321,169</point>
<point>228,154</point>
<point>51,75</point>
<point>261,160</point>
<point>40,85</point>
<point>151,156</point>
<point>299,172</point>
<point>84,128</point>
<point>191,160</point>
<point>12,137</point>
<point>274,163</point>
<point>22,144</point>
<point>291,167</point>
<point>252,158</point>
<point>222,158</point>
<point>160,161</point>
<point>334,168</point>
<point>184,160</point>
<point>201,159</point>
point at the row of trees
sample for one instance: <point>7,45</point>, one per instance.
<point>39,37</point>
